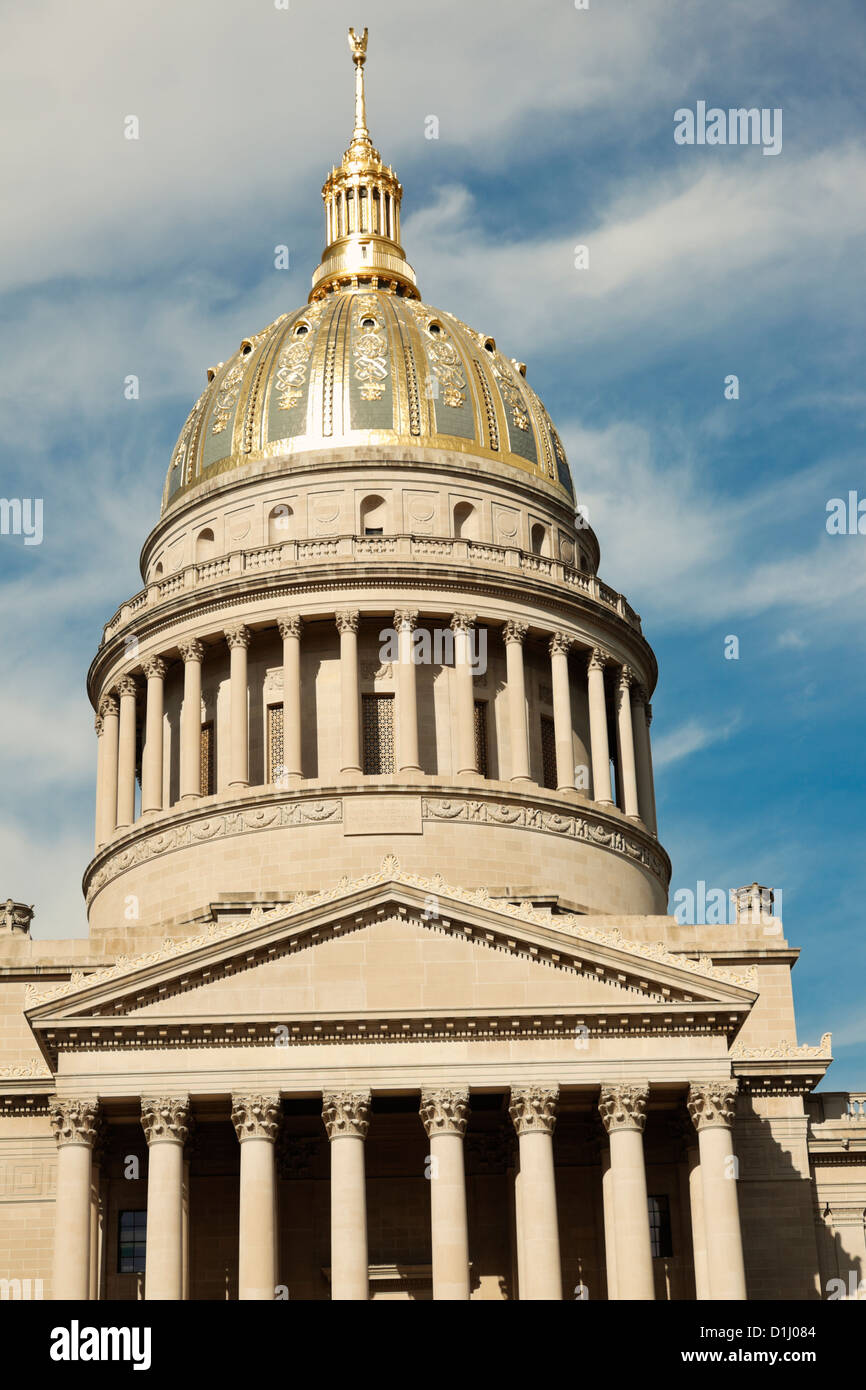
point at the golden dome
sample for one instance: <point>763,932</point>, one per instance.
<point>365,362</point>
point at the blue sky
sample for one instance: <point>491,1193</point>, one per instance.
<point>556,126</point>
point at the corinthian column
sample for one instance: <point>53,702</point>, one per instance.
<point>533,1113</point>
<point>165,1121</point>
<point>238,639</point>
<point>106,770</point>
<point>625,743</point>
<point>151,758</point>
<point>350,703</point>
<point>127,690</point>
<point>623,1114</point>
<point>74,1125</point>
<point>405,620</point>
<point>192,652</point>
<point>347,1119</point>
<point>445,1114</point>
<point>514,635</point>
<point>642,715</point>
<point>290,631</point>
<point>465,762</point>
<point>599,749</point>
<point>257,1121</point>
<point>560,645</point>
<point>711,1105</point>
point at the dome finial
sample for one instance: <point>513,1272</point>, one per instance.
<point>362,210</point>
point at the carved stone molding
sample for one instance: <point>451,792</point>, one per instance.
<point>347,620</point>
<point>784,1051</point>
<point>712,1103</point>
<point>514,631</point>
<point>346,1114</point>
<point>623,1106</point>
<point>74,1121</point>
<point>406,619</point>
<point>154,668</point>
<point>445,1111</point>
<point>257,1116</point>
<point>533,1109</point>
<point>560,644</point>
<point>238,635</point>
<point>165,1119</point>
<point>463,622</point>
<point>290,626</point>
<point>191,649</point>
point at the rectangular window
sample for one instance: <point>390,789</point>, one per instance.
<point>131,1241</point>
<point>378,721</point>
<point>481,737</point>
<point>208,779</point>
<point>276,764</point>
<point>548,752</point>
<point>660,1226</point>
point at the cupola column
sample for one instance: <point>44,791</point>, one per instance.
<point>465,759</point>
<point>643,758</point>
<point>350,701</point>
<point>711,1105</point>
<point>127,690</point>
<point>106,770</point>
<point>405,621</point>
<point>238,638</point>
<point>165,1121</point>
<point>257,1121</point>
<point>630,1267</point>
<point>600,751</point>
<point>445,1115</point>
<point>192,652</point>
<point>560,645</point>
<point>625,743</point>
<point>514,635</point>
<point>290,631</point>
<point>346,1115</point>
<point>533,1114</point>
<point>151,759</point>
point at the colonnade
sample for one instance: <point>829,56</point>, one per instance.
<point>116,719</point>
<point>444,1112</point>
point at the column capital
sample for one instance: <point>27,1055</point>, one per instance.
<point>238,635</point>
<point>165,1119</point>
<point>445,1111</point>
<point>533,1109</point>
<point>154,668</point>
<point>598,659</point>
<point>346,1114</point>
<point>290,625</point>
<point>256,1117</point>
<point>74,1121</point>
<point>191,648</point>
<point>648,710</point>
<point>406,619</point>
<point>639,694</point>
<point>560,642</point>
<point>126,686</point>
<point>623,1106</point>
<point>347,620</point>
<point>626,678</point>
<point>514,631</point>
<point>463,622</point>
<point>108,707</point>
<point>712,1104</point>
<point>99,725</point>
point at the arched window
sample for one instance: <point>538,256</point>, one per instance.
<point>466,521</point>
<point>373,515</point>
<point>538,538</point>
<point>205,546</point>
<point>279,523</point>
<point>157,574</point>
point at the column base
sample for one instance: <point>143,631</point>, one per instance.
<point>523,781</point>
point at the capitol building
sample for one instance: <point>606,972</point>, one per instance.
<point>381,997</point>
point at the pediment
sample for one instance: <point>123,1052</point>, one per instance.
<point>393,946</point>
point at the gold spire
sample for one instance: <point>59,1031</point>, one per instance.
<point>362,210</point>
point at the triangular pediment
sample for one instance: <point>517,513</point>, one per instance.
<point>392,946</point>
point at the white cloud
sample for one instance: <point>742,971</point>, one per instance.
<point>690,738</point>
